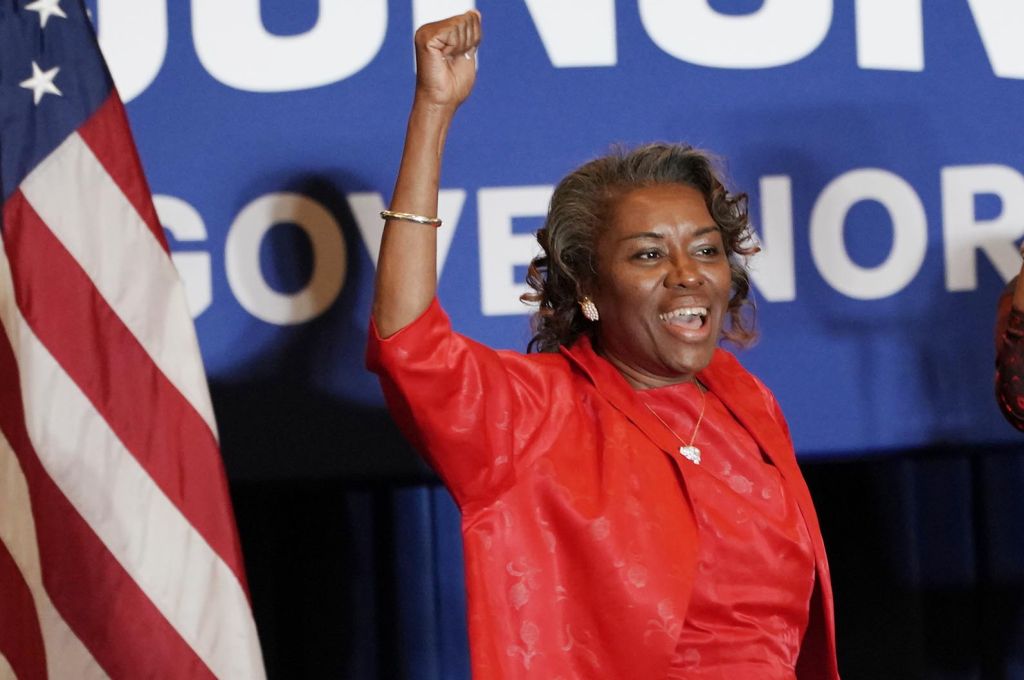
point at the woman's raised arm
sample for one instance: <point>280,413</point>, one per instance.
<point>407,266</point>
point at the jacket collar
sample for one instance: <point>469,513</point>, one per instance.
<point>724,377</point>
<point>620,394</point>
<point>737,389</point>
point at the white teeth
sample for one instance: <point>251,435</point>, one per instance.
<point>684,311</point>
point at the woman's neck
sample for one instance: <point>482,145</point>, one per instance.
<point>641,379</point>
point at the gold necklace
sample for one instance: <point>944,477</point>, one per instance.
<point>687,451</point>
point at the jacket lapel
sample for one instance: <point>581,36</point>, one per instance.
<point>738,391</point>
<point>620,394</point>
<point>745,398</point>
<point>725,377</point>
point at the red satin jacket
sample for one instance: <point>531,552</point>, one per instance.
<point>569,488</point>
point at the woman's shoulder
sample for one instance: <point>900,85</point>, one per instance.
<point>726,366</point>
<point>733,382</point>
<point>430,339</point>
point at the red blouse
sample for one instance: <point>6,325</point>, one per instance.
<point>755,564</point>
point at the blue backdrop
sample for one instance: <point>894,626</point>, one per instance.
<point>879,142</point>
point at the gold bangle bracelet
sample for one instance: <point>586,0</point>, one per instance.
<point>410,217</point>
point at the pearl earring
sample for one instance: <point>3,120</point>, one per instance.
<point>589,309</point>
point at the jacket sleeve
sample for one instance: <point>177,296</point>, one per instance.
<point>471,411</point>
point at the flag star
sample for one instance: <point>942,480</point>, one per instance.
<point>41,82</point>
<point>46,9</point>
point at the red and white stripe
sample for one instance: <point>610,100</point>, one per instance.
<point>116,517</point>
<point>65,654</point>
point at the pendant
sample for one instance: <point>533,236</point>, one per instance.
<point>690,453</point>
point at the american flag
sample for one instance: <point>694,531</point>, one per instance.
<point>119,555</point>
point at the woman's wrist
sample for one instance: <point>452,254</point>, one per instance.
<point>428,111</point>
<point>428,126</point>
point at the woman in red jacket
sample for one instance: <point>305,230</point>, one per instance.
<point>631,503</point>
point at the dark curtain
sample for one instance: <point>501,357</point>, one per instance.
<point>362,580</point>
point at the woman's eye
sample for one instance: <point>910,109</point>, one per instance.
<point>707,251</point>
<point>651,254</point>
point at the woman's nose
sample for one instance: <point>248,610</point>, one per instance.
<point>685,273</point>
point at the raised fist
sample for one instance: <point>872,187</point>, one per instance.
<point>446,59</point>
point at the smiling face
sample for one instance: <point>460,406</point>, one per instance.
<point>662,286</point>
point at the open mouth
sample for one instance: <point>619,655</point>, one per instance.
<point>690,318</point>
